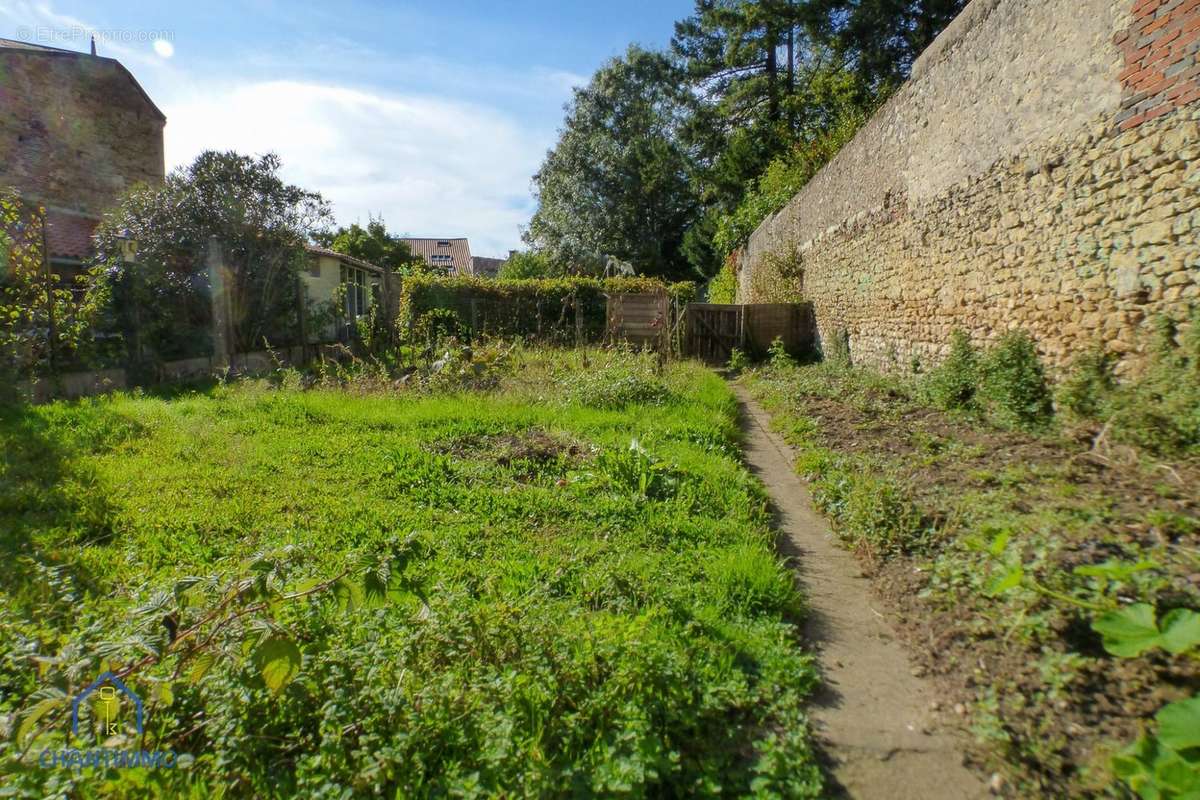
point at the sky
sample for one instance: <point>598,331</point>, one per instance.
<point>434,115</point>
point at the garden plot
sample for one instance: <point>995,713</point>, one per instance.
<point>562,586</point>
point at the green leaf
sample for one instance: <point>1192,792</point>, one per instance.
<point>348,594</point>
<point>200,667</point>
<point>35,714</point>
<point>998,545</point>
<point>278,661</point>
<point>163,695</point>
<point>1128,632</point>
<point>374,589</point>
<point>1179,724</point>
<point>1007,581</point>
<point>1180,631</point>
<point>1114,569</point>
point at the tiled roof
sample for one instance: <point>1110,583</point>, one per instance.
<point>69,233</point>
<point>452,255</point>
<point>358,262</point>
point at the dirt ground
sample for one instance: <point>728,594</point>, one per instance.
<point>875,719</point>
<point>1047,733</point>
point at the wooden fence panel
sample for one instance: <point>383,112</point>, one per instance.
<point>643,320</point>
<point>791,322</point>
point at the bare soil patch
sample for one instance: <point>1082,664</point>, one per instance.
<point>1046,703</point>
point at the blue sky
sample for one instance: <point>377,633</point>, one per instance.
<point>433,114</point>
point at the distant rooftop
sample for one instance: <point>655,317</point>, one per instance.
<point>452,255</point>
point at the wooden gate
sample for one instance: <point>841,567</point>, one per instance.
<point>712,331</point>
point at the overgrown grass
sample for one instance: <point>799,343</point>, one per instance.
<point>1158,412</point>
<point>1004,533</point>
<point>577,628</point>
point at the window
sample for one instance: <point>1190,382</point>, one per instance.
<point>355,282</point>
<point>437,259</point>
<point>443,244</point>
<point>314,267</point>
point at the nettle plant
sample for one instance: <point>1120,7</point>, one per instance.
<point>238,616</point>
<point>1164,765</point>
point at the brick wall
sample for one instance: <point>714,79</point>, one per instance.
<point>75,130</point>
<point>1016,181</point>
<point>1161,72</point>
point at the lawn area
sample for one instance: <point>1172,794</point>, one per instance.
<point>1047,580</point>
<point>554,611</point>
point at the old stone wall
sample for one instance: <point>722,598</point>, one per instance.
<point>1040,170</point>
<point>75,130</point>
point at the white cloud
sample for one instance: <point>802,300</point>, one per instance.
<point>430,162</point>
<point>431,166</point>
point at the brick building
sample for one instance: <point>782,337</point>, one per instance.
<point>76,131</point>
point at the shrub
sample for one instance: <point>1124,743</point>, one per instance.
<point>778,354</point>
<point>543,309</point>
<point>1088,385</point>
<point>738,360</point>
<point>625,380</point>
<point>953,384</point>
<point>838,350</point>
<point>723,286</point>
<point>1013,387</point>
<point>1160,410</point>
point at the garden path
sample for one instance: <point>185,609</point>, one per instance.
<point>872,717</point>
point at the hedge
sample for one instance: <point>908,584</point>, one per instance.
<point>538,309</point>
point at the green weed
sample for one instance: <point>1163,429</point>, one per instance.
<point>548,639</point>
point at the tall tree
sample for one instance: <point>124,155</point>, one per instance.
<point>260,222</point>
<point>879,39</point>
<point>618,182</point>
<point>374,245</point>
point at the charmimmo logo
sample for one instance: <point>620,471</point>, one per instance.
<point>110,702</point>
<point>107,686</point>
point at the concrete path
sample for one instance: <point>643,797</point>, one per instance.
<point>872,718</point>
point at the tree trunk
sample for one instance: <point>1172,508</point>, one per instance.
<point>791,69</point>
<point>772,43</point>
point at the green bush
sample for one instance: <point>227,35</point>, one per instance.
<point>738,360</point>
<point>541,309</point>
<point>778,355</point>
<point>1088,385</point>
<point>1013,388</point>
<point>723,286</point>
<point>1158,411</point>
<point>953,384</point>
<point>837,352</point>
<point>626,379</point>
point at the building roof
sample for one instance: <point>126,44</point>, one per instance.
<point>357,262</point>
<point>452,255</point>
<point>486,267</point>
<point>69,234</point>
<point>58,52</point>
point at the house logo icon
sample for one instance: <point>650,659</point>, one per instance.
<point>107,687</point>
